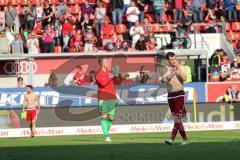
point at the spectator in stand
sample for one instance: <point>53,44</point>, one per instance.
<point>147,29</point>
<point>169,9</point>
<point>178,8</point>
<point>151,44</point>
<point>186,21</point>
<point>66,40</point>
<point>219,8</point>
<point>90,79</point>
<point>87,9</point>
<point>236,62</point>
<point>189,7</point>
<point>231,7</point>
<point>76,41</point>
<point>141,45</point>
<point>20,83</point>
<point>107,33</point>
<point>67,27</point>
<point>39,31</point>
<point>48,39</point>
<point>100,14</point>
<point>117,11</point>
<point>141,4</point>
<point>211,20</point>
<point>234,94</point>
<point>39,11</point>
<point>11,17</point>
<point>58,32</point>
<point>159,10</point>
<point>135,32</point>
<point>4,44</point>
<point>17,45</point>
<point>32,44</point>
<point>225,67</point>
<point>143,75</point>
<point>215,59</point>
<point>222,25</point>
<point>9,35</point>
<point>52,80</point>
<point>47,14</point>
<point>61,9</point>
<point>126,5</point>
<point>67,15</point>
<point>198,6</point>
<point>119,41</point>
<point>211,4</point>
<point>79,76</point>
<point>29,12</point>
<point>86,23</point>
<point>132,14</point>
<point>127,80</point>
<point>2,19</point>
<point>238,46</point>
<point>89,39</point>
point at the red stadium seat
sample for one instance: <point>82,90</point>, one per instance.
<point>106,1</point>
<point>231,36</point>
<point>14,2</point>
<point>165,18</point>
<point>19,9</point>
<point>75,9</point>
<point>168,28</point>
<point>2,2</point>
<point>92,1</point>
<point>235,26</point>
<point>23,2</point>
<point>81,1</point>
<point>192,28</point>
<point>150,18</point>
<point>57,49</point>
<point>202,27</point>
<point>72,1</point>
<point>121,28</point>
<point>146,8</point>
<point>156,28</point>
<point>228,27</point>
<point>236,36</point>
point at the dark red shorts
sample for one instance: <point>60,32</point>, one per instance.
<point>176,103</point>
<point>31,114</point>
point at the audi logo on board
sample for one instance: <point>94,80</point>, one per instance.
<point>21,67</point>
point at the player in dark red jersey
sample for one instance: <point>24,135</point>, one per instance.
<point>106,81</point>
<point>175,77</point>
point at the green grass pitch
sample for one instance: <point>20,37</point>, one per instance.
<point>212,145</point>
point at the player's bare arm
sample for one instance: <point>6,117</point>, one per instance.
<point>24,103</point>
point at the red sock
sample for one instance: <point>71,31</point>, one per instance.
<point>175,130</point>
<point>182,132</point>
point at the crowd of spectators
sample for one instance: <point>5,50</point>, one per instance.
<point>227,69</point>
<point>83,78</point>
<point>47,26</point>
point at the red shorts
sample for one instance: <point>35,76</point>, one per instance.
<point>31,114</point>
<point>176,103</point>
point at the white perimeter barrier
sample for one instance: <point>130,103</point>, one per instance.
<point>133,128</point>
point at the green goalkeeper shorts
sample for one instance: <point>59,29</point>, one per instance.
<point>107,106</point>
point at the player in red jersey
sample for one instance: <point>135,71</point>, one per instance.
<point>175,77</point>
<point>29,104</point>
<point>106,81</point>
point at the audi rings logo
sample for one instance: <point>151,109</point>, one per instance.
<point>21,67</point>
